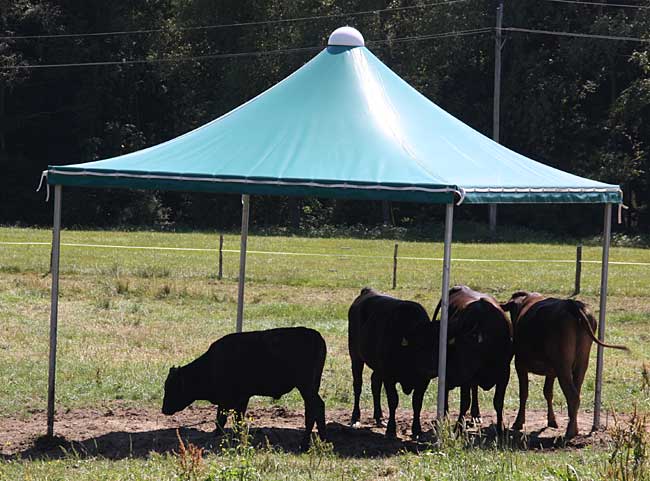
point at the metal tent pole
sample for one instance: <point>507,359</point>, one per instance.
<point>607,231</point>
<point>444,313</point>
<point>54,307</point>
<point>496,109</point>
<point>245,200</point>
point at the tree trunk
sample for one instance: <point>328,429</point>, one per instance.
<point>385,208</point>
<point>294,212</point>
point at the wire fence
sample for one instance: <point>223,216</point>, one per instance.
<point>323,254</point>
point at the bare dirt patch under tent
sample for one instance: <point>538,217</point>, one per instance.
<point>121,431</point>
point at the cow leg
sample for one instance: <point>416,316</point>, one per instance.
<point>475,412</point>
<point>357,381</point>
<point>320,416</point>
<point>579,371</point>
<point>376,382</point>
<point>222,419</point>
<point>522,374</point>
<point>465,394</point>
<point>240,412</point>
<point>314,414</point>
<point>565,377</point>
<point>418,396</point>
<point>393,400</point>
<point>548,395</point>
<point>499,396</point>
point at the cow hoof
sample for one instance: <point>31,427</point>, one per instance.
<point>380,423</point>
<point>355,425</point>
<point>477,420</point>
<point>517,426</point>
<point>391,433</point>
<point>552,423</point>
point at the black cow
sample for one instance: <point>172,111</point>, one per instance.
<point>397,340</point>
<point>479,349</point>
<point>265,363</point>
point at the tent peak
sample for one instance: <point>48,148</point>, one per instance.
<point>346,37</point>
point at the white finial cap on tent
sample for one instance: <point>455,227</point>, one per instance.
<point>346,37</point>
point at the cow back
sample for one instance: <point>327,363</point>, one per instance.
<point>267,363</point>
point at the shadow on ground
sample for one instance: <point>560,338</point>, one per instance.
<point>133,432</point>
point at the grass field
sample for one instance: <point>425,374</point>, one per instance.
<point>126,315</point>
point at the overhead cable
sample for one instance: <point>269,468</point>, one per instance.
<point>260,53</point>
<point>601,4</point>
<point>231,25</point>
<point>575,34</point>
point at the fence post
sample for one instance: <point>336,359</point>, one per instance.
<point>220,274</point>
<point>395,267</point>
<point>576,290</point>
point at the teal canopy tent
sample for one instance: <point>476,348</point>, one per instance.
<point>344,125</point>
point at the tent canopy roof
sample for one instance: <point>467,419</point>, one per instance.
<point>343,125</point>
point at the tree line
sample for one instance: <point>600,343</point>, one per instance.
<point>577,103</point>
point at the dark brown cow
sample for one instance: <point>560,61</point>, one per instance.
<point>398,341</point>
<point>552,338</point>
<point>482,355</point>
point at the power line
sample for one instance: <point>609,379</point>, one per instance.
<point>600,4</point>
<point>574,34</point>
<point>230,25</point>
<point>161,60</point>
<point>306,49</point>
<point>459,33</point>
<point>243,54</point>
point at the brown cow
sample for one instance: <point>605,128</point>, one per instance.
<point>483,358</point>
<point>552,338</point>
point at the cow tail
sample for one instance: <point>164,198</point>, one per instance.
<point>579,311</point>
<point>435,313</point>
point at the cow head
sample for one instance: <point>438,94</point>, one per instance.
<point>517,302</point>
<point>176,396</point>
<point>420,348</point>
<point>467,340</point>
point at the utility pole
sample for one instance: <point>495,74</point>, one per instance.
<point>496,112</point>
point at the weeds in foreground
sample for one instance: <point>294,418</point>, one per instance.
<point>318,451</point>
<point>189,461</point>
<point>645,379</point>
<point>238,454</point>
<point>628,460</point>
<point>568,473</point>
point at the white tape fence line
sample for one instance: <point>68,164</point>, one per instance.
<point>316,254</point>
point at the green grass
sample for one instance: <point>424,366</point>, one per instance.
<point>445,464</point>
<point>126,315</point>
